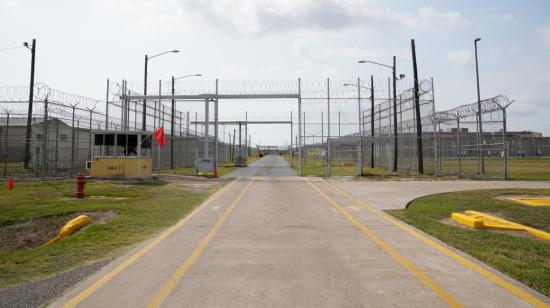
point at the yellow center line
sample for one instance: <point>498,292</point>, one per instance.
<point>471,265</point>
<point>185,266</point>
<point>423,277</point>
<point>132,259</point>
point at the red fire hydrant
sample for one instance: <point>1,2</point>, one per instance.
<point>80,185</point>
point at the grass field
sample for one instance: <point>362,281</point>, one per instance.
<point>225,167</point>
<point>138,211</point>
<point>525,258</point>
<point>535,169</point>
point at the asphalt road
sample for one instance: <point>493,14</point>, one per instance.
<point>269,240</point>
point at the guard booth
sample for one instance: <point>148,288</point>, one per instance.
<point>121,154</point>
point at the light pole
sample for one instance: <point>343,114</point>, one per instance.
<point>147,58</point>
<point>32,48</point>
<point>172,124</point>
<point>371,115</point>
<point>479,124</point>
<point>401,76</point>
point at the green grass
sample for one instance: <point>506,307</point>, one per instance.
<point>532,168</point>
<point>526,259</point>
<point>225,167</point>
<point>145,209</point>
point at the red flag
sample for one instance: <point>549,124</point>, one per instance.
<point>161,138</point>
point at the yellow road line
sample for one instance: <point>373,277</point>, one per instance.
<point>471,265</point>
<point>119,268</point>
<point>185,266</point>
<point>423,277</point>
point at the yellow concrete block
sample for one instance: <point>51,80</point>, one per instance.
<point>480,220</point>
<point>71,227</point>
<point>469,221</point>
<point>532,201</point>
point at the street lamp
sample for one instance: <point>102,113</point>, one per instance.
<point>401,76</point>
<point>371,114</point>
<point>147,58</point>
<point>32,48</point>
<point>479,124</point>
<point>172,126</point>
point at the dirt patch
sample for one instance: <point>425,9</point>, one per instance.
<point>522,234</point>
<point>38,231</point>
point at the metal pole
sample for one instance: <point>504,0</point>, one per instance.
<point>246,134</point>
<point>144,119</point>
<point>29,111</point>
<point>360,150</point>
<point>187,124</point>
<point>299,127</point>
<point>6,145</point>
<point>240,141</point>
<point>234,135</point>
<point>107,106</point>
<point>72,140</point>
<point>479,117</point>
<point>45,139</point>
<point>504,143</point>
<point>458,155</point>
<point>339,125</point>
<point>172,128</point>
<point>196,129</point>
<point>329,154</point>
<point>372,121</point>
<point>206,126</point>
<point>90,152</point>
<point>419,146</point>
<point>395,138</point>
<point>216,145</point>
<point>291,137</point>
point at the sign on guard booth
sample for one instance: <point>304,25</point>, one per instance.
<point>126,167</point>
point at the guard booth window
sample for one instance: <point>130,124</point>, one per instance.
<point>121,144</point>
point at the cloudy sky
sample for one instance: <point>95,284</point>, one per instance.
<point>81,43</point>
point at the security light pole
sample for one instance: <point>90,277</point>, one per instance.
<point>144,115</point>
<point>395,134</point>
<point>479,124</point>
<point>31,97</point>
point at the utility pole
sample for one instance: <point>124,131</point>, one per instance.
<point>479,119</point>
<point>417,113</point>
<point>31,97</point>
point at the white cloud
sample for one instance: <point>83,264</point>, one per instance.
<point>257,17</point>
<point>544,33</point>
<point>460,57</point>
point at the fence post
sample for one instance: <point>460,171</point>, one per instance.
<point>458,154</point>
<point>300,127</point>
<point>90,152</point>
<point>187,124</point>
<point>6,145</point>
<point>56,146</point>
<point>360,152</point>
<point>328,154</point>
<point>107,107</point>
<point>45,139</point>
<point>72,142</point>
<point>504,143</point>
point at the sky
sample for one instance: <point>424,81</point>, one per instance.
<point>82,43</point>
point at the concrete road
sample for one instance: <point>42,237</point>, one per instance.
<point>295,242</point>
<point>269,166</point>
